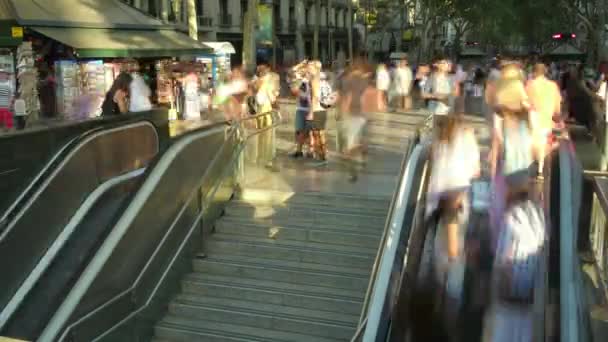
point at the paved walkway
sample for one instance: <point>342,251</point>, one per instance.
<point>388,136</point>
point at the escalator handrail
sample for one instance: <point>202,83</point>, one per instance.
<point>40,176</point>
<point>412,144</point>
<point>59,319</point>
<point>62,238</point>
<point>381,283</point>
<point>46,176</point>
<point>574,326</point>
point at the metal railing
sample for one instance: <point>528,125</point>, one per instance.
<point>54,249</point>
<point>396,212</point>
<point>170,243</point>
<point>598,233</point>
<point>68,179</point>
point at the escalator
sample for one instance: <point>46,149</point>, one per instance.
<point>130,266</point>
<point>399,306</point>
<point>123,273</point>
<point>62,215</point>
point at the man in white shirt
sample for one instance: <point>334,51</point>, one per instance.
<point>383,82</point>
<point>440,92</point>
<point>403,84</point>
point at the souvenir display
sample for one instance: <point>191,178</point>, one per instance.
<point>28,79</point>
<point>68,88</point>
<point>93,83</point>
<point>7,79</point>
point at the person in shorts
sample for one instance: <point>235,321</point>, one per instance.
<point>439,93</point>
<point>302,90</point>
<point>317,118</point>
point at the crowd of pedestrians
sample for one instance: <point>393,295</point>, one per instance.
<point>525,104</point>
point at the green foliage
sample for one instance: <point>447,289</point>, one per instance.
<point>501,22</point>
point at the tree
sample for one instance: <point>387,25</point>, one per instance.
<point>315,37</point>
<point>249,62</point>
<point>192,19</point>
<point>350,30</point>
<point>592,14</point>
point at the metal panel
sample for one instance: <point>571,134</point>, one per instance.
<point>44,215</point>
<point>141,258</point>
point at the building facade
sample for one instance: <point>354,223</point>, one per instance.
<point>294,21</point>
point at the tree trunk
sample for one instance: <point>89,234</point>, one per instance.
<point>192,20</point>
<point>249,62</point>
<point>349,27</point>
<point>401,25</point>
<point>164,10</point>
<point>300,13</point>
<point>315,39</point>
<point>329,32</point>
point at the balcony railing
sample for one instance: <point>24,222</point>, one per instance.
<point>205,21</point>
<point>293,25</point>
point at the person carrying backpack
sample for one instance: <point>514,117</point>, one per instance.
<point>519,221</point>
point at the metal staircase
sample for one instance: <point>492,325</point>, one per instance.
<point>280,267</point>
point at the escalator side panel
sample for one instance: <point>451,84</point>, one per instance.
<point>140,242</point>
<point>44,216</point>
<point>60,275</point>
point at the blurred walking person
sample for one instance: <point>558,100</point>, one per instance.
<point>317,117</point>
<point>383,82</point>
<point>455,148</point>
<point>302,90</point>
<point>358,97</point>
<point>545,99</point>
<point>439,92</point>
<point>402,83</point>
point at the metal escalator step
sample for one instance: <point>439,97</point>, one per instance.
<point>297,296</point>
<point>184,329</point>
<point>300,234</point>
<point>263,319</point>
<point>280,273</point>
<point>294,312</point>
<point>278,286</point>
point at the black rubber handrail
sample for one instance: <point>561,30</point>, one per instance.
<point>50,167</point>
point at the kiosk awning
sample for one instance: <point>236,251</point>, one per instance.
<point>221,47</point>
<point>123,43</point>
<point>82,13</point>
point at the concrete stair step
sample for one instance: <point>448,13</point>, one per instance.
<point>278,293</point>
<point>354,227</point>
<point>319,219</point>
<point>304,266</point>
<point>183,329</point>
<point>299,234</point>
<point>320,199</point>
<point>306,215</point>
<point>280,286</point>
<point>256,317</point>
<point>311,208</point>
<point>287,311</point>
<point>337,255</point>
<point>296,275</point>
